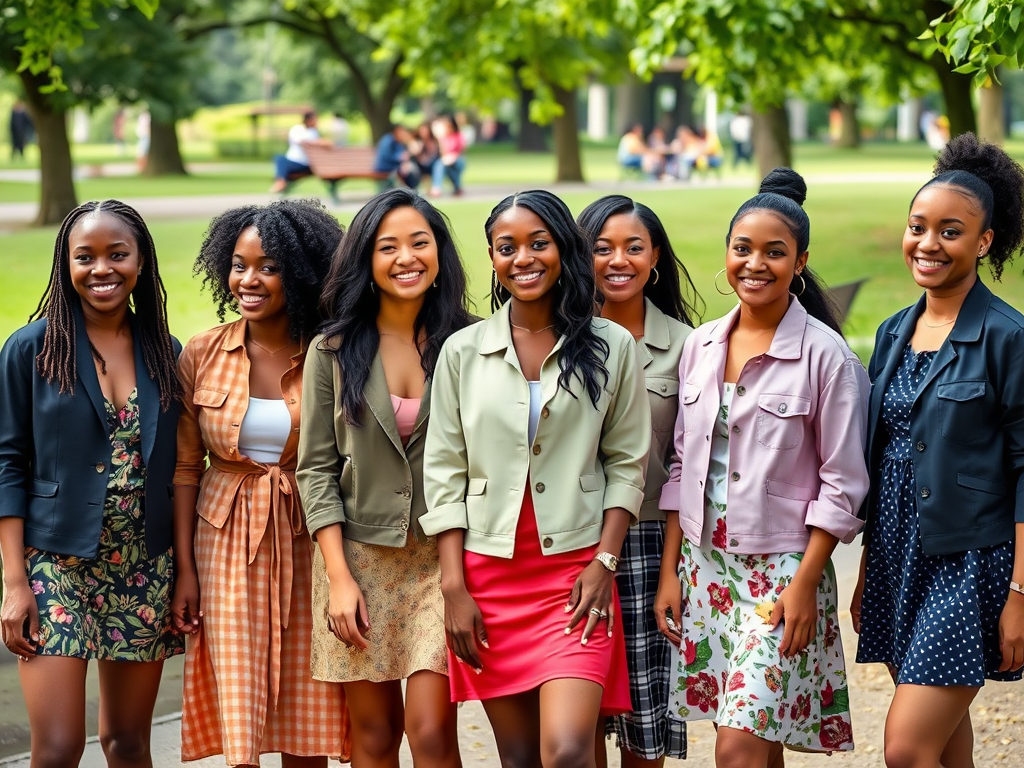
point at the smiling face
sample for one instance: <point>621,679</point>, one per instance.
<point>944,239</point>
<point>762,260</point>
<point>405,260</point>
<point>104,262</point>
<point>255,279</point>
<point>624,258</point>
<point>524,254</point>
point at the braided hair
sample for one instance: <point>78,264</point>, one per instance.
<point>57,361</point>
<point>782,194</point>
<point>299,235</point>
<point>583,353</point>
<point>991,179</point>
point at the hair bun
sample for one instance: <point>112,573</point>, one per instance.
<point>785,182</point>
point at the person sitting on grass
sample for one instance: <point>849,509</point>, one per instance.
<point>294,161</point>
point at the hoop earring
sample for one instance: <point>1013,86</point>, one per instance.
<point>724,293</point>
<point>803,285</point>
<point>656,275</point>
<point>373,287</point>
<point>434,284</point>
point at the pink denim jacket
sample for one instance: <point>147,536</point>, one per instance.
<point>798,426</point>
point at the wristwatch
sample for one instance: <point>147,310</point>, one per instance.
<point>608,560</point>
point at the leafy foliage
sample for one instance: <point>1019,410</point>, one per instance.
<point>979,35</point>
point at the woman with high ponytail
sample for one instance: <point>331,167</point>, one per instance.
<point>767,478</point>
<point>940,599</point>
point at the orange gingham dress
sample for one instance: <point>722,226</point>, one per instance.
<point>248,688</point>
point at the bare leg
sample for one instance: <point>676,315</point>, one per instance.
<point>128,691</point>
<point>922,723</point>
<point>569,712</point>
<point>378,722</point>
<point>431,721</point>
<point>601,744</point>
<point>739,749</point>
<point>57,723</point>
<point>959,751</point>
<point>515,721</point>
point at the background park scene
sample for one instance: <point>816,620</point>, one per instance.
<point>843,90</point>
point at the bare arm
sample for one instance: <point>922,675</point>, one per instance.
<point>798,603</point>
<point>669,597</point>
<point>19,612</point>
<point>463,623</point>
<point>347,615</point>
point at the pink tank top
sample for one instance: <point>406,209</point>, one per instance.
<point>406,411</point>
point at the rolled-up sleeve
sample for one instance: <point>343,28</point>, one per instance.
<point>319,466</point>
<point>16,371</point>
<point>192,451</point>
<point>841,426</point>
<point>626,435</point>
<point>445,460</point>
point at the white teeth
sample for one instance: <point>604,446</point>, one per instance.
<point>525,277</point>
<point>106,288</point>
<point>252,299</point>
<point>929,264</point>
<point>619,278</point>
<point>753,281</point>
<point>407,275</point>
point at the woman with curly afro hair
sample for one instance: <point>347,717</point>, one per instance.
<point>242,553</point>
<point>940,599</point>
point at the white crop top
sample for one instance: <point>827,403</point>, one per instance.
<point>536,400</point>
<point>264,431</point>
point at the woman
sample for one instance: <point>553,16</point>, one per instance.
<point>944,556</point>
<point>768,476</point>
<point>88,407</point>
<point>451,163</point>
<point>396,291</point>
<point>534,468</point>
<point>629,246</point>
<point>425,149</point>
<point>242,553</point>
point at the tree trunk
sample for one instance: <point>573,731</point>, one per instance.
<point>956,92</point>
<point>772,146</point>
<point>991,118</point>
<point>164,151</point>
<point>378,115</point>
<point>57,184</point>
<point>849,126</point>
<point>531,137</point>
<point>567,137</point>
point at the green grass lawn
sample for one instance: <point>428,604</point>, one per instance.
<point>856,232</point>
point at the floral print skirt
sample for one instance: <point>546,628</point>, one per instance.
<point>730,669</point>
<point>115,606</point>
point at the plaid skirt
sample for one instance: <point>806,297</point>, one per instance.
<point>648,731</point>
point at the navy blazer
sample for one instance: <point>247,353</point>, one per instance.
<point>55,449</point>
<point>966,425</point>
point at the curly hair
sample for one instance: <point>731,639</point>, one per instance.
<point>989,177</point>
<point>60,305</point>
<point>350,303</point>
<point>674,294</point>
<point>299,235</point>
<point>584,353</point>
<point>782,194</point>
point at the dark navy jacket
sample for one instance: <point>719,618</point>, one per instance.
<point>55,449</point>
<point>966,426</point>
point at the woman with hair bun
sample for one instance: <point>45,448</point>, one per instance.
<point>940,599</point>
<point>768,476</point>
<point>241,550</point>
<point>641,280</point>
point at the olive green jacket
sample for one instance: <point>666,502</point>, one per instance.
<point>361,477</point>
<point>584,459</point>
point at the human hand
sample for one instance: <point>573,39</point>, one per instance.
<point>18,613</point>
<point>1011,632</point>
<point>185,612</point>
<point>797,609</point>
<point>347,616</point>
<point>591,597</point>
<point>669,600</point>
<point>464,627</point>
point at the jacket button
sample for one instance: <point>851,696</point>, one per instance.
<point>926,492</point>
<point>920,445</point>
<point>536,450</point>
<point>100,467</point>
<point>741,390</point>
<point>544,413</point>
<point>539,487</point>
<point>664,387</point>
<point>782,407</point>
<point>547,542</point>
<point>406,493</point>
<point>735,429</point>
<point>733,543</point>
<point>405,525</point>
<point>735,475</point>
<point>292,401</point>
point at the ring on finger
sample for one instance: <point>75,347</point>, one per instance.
<point>598,613</point>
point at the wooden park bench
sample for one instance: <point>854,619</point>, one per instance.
<point>334,164</point>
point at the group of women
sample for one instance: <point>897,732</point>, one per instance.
<point>583,511</point>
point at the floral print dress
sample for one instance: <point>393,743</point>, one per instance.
<point>729,668</point>
<point>115,606</point>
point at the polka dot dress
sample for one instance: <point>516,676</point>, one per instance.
<point>934,619</point>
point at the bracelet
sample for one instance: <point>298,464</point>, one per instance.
<point>1017,587</point>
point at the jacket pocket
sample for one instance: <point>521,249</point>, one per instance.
<point>964,413</point>
<point>209,398</point>
<point>787,505</point>
<point>663,396</point>
<point>590,483</point>
<point>689,394</point>
<point>980,484</point>
<point>476,486</point>
<point>45,489</point>
<point>780,423</point>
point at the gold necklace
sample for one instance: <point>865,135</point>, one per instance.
<point>270,352</point>
<point>940,325</point>
<point>523,328</point>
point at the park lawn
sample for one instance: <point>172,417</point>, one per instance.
<point>856,233</point>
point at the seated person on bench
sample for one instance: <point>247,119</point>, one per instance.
<point>393,156</point>
<point>294,161</point>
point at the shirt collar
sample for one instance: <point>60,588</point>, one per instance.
<point>655,327</point>
<point>789,336</point>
